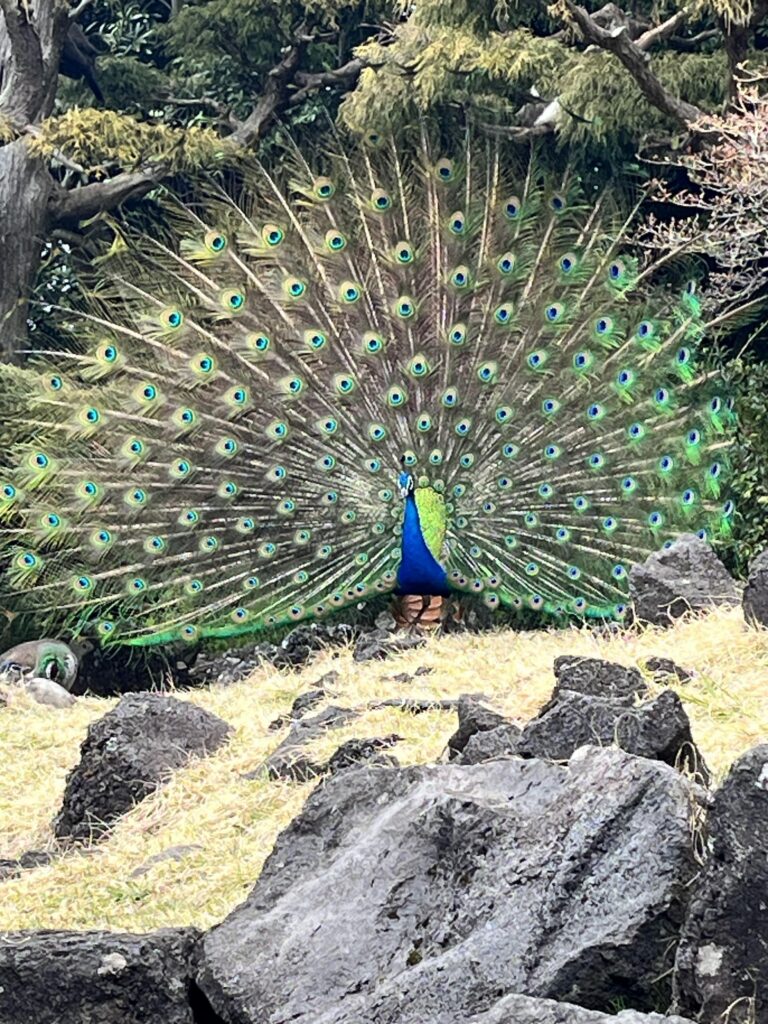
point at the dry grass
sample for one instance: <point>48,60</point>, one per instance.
<point>231,823</point>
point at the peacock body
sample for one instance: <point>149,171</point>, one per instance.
<point>393,369</point>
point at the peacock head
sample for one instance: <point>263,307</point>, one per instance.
<point>405,481</point>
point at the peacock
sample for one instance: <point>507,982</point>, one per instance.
<point>404,364</point>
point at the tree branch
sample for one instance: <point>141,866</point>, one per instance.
<point>688,44</point>
<point>68,208</point>
<point>274,98</point>
<point>345,75</point>
<point>660,33</point>
<point>637,62</point>
<point>76,11</point>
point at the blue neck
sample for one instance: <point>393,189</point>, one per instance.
<point>420,572</point>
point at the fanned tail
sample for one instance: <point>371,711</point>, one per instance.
<point>220,452</point>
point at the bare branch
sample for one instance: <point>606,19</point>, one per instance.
<point>68,208</point>
<point>346,75</point>
<point>637,62</point>
<point>76,11</point>
<point>274,99</point>
<point>662,32</point>
<point>689,44</point>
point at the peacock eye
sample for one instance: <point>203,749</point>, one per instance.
<point>171,317</point>
<point>460,277</point>
<point>457,223</point>
<point>557,203</point>
<point>457,335</point>
<point>272,234</point>
<point>323,188</point>
<point>344,383</point>
<point>215,241</point>
<point>335,240</point>
<point>506,263</point>
<point>512,207</point>
<point>295,287</point>
<point>380,200</point>
<point>405,307</point>
<point>258,342</point>
<point>445,169</point>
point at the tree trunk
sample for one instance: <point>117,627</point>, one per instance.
<point>25,186</point>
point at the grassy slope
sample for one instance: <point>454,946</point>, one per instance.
<point>234,822</point>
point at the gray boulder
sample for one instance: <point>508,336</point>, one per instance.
<point>474,717</point>
<point>755,600</point>
<point>46,691</point>
<point>493,743</point>
<point>722,962</point>
<point>597,678</point>
<point>405,896</point>
<point>687,576</point>
<point>96,977</point>
<point>659,729</point>
<point>377,644</point>
<point>359,751</point>
<point>127,754</point>
<point>517,1009</point>
<point>289,759</point>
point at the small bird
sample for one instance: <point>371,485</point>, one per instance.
<point>42,659</point>
<point>407,364</point>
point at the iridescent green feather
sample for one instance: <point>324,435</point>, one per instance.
<point>219,451</point>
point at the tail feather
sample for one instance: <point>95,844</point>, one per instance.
<point>219,452</point>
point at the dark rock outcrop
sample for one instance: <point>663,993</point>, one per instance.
<point>686,576</point>
<point>89,977</point>
<point>664,671</point>
<point>366,751</point>
<point>127,754</point>
<point>307,701</point>
<point>596,678</point>
<point>429,893</point>
<point>755,599</point>
<point>377,644</point>
<point>659,729</point>
<point>722,961</point>
<point>490,744</point>
<point>415,705</point>
<point>295,649</point>
<point>474,717</point>
<point>289,759</point>
<point>13,867</point>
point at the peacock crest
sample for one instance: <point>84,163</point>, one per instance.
<point>393,368</point>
